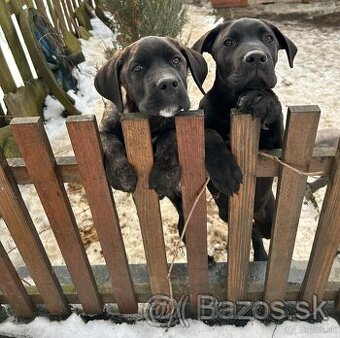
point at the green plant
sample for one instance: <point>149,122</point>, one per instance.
<point>135,19</point>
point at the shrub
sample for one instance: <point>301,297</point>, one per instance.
<point>135,19</point>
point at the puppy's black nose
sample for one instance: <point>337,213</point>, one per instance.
<point>167,84</point>
<point>255,56</point>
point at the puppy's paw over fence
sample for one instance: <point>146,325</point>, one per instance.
<point>127,285</point>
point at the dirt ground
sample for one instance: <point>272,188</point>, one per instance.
<point>315,79</point>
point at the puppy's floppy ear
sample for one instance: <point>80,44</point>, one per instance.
<point>197,65</point>
<point>285,43</point>
<point>205,43</point>
<point>107,81</point>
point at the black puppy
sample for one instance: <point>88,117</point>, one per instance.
<point>153,72</point>
<point>245,52</point>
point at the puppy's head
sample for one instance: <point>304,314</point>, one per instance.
<point>153,71</point>
<point>246,51</point>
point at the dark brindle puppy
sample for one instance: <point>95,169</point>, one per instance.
<point>153,72</point>
<point>245,52</point>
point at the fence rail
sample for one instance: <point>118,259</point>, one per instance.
<point>129,284</point>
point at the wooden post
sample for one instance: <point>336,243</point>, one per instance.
<point>327,238</point>
<point>85,140</point>
<point>191,154</point>
<point>139,152</point>
<point>245,132</point>
<point>30,134</point>
<point>26,238</point>
<point>14,42</point>
<point>297,151</point>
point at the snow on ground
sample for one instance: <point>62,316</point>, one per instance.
<point>314,80</point>
<point>74,327</point>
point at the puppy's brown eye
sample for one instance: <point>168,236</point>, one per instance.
<point>176,60</point>
<point>268,38</point>
<point>229,42</point>
<point>137,68</point>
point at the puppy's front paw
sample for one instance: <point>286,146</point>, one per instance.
<point>262,104</point>
<point>165,180</point>
<point>121,175</point>
<point>224,173</point>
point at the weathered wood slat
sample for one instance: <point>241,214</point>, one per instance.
<point>139,151</point>
<point>72,18</point>
<point>67,16</point>
<point>245,131</point>
<point>7,82</point>
<point>41,8</point>
<point>60,16</point>
<point>53,15</point>
<point>327,238</point>
<point>87,147</point>
<point>11,285</point>
<point>39,61</point>
<point>190,131</point>
<point>217,277</point>
<point>30,134</point>
<point>16,6</point>
<point>21,227</point>
<point>14,42</point>
<point>297,151</point>
<point>322,161</point>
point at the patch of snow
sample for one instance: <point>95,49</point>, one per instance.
<point>74,327</point>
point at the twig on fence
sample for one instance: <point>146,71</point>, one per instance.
<point>25,281</point>
<point>39,233</point>
<point>300,172</point>
<point>177,247</point>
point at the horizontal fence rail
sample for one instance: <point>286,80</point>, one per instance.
<point>127,285</point>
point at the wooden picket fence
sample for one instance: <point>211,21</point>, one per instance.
<point>68,20</point>
<point>133,284</point>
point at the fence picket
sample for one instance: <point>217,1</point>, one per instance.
<point>7,82</point>
<point>60,16</point>
<point>14,42</point>
<point>12,287</point>
<point>26,238</point>
<point>139,151</point>
<point>190,131</point>
<point>327,238</point>
<point>30,134</point>
<point>297,151</point>
<point>87,147</point>
<point>245,133</point>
